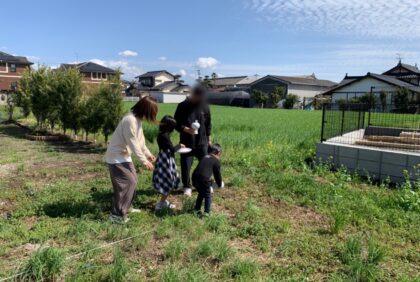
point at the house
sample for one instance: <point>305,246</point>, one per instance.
<point>92,73</point>
<point>305,87</point>
<point>402,76</point>
<point>152,79</point>
<point>159,81</point>
<point>11,70</point>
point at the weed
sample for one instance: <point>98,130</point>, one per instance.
<point>46,264</point>
<point>242,270</point>
<point>171,274</point>
<point>216,223</point>
<point>119,267</point>
<point>188,204</point>
<point>174,248</point>
<point>362,265</point>
<point>215,248</point>
<point>339,222</point>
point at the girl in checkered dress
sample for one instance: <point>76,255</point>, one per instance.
<point>165,175</point>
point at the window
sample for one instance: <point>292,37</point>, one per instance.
<point>98,76</point>
<point>12,67</point>
<point>13,85</point>
<point>3,67</point>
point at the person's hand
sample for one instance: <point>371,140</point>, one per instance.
<point>189,130</point>
<point>182,146</point>
<point>149,166</point>
<point>152,158</point>
<point>209,140</point>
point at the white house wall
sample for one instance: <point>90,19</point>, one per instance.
<point>362,87</point>
<point>168,98</point>
<point>304,91</point>
<point>161,78</point>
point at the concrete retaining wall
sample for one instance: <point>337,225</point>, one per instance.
<point>376,163</point>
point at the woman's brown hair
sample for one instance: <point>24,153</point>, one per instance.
<point>146,109</point>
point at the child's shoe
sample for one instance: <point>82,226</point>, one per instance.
<point>164,205</point>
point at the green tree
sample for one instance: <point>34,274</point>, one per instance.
<point>260,97</point>
<point>402,99</point>
<point>276,96</point>
<point>382,98</point>
<point>369,99</point>
<point>70,91</point>
<point>40,93</point>
<point>290,101</point>
<point>11,101</point>
<point>23,97</point>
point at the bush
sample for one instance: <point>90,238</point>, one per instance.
<point>290,101</point>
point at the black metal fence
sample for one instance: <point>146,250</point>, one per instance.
<point>389,126</point>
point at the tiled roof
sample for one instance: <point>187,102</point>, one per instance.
<point>154,73</point>
<point>306,80</point>
<point>14,59</point>
<point>386,78</point>
<point>89,67</point>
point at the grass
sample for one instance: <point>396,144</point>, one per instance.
<point>279,219</point>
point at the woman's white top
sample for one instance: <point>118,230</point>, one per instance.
<point>127,138</point>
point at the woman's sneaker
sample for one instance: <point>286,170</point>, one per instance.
<point>118,219</point>
<point>164,205</point>
<point>188,192</point>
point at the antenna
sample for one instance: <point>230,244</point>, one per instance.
<point>198,73</point>
<point>399,58</point>
<point>77,56</point>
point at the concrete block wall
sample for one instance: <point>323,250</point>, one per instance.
<point>376,163</point>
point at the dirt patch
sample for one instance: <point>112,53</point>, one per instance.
<point>7,169</point>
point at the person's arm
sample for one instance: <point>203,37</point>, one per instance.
<point>218,174</point>
<point>181,120</point>
<point>207,123</point>
<point>130,138</point>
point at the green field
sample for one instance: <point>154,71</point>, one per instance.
<point>279,219</point>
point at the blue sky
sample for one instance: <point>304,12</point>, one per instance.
<point>229,37</point>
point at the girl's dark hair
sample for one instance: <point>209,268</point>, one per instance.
<point>146,109</point>
<point>167,124</point>
<point>215,149</point>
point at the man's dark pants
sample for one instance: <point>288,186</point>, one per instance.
<point>187,161</point>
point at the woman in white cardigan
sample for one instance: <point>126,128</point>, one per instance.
<point>128,139</point>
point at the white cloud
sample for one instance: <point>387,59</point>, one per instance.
<point>207,62</point>
<point>129,70</point>
<point>128,53</point>
<point>381,19</point>
<point>182,72</point>
<point>34,59</point>
<point>163,58</point>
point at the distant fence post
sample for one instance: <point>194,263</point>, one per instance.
<point>323,122</point>
<point>342,122</point>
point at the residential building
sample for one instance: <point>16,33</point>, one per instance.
<point>92,73</point>
<point>389,82</point>
<point>11,70</point>
<point>159,81</point>
<point>152,79</point>
<point>305,87</point>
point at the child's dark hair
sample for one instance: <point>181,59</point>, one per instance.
<point>167,124</point>
<point>215,149</point>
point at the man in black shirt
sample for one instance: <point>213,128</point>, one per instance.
<point>193,109</point>
<point>209,166</point>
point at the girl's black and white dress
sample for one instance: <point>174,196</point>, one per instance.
<point>165,175</point>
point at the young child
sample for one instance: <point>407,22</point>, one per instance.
<point>165,175</point>
<point>207,167</point>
